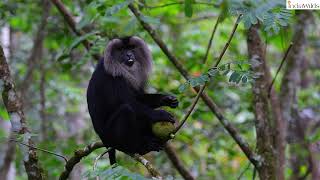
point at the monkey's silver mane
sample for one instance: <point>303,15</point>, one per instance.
<point>137,75</point>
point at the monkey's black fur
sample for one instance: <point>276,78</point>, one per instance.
<point>121,112</point>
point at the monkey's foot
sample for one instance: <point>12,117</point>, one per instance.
<point>151,144</point>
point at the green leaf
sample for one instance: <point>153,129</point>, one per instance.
<point>234,77</point>
<point>116,8</point>
<point>80,39</point>
<point>205,77</point>
<point>194,82</point>
<point>223,67</point>
<point>183,87</point>
<point>200,81</point>
<point>244,79</point>
<point>131,25</point>
<point>213,72</point>
<point>226,72</point>
<point>150,20</point>
<point>188,11</point>
<point>66,67</point>
<point>85,21</point>
<point>62,57</point>
<point>66,53</point>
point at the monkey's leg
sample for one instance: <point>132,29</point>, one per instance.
<point>131,133</point>
<point>124,130</point>
<point>158,100</point>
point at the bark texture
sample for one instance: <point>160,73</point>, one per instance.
<point>264,127</point>
<point>13,105</point>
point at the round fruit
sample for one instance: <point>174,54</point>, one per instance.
<point>163,130</point>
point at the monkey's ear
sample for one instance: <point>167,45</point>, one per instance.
<point>111,47</point>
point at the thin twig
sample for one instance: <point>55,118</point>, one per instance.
<point>148,165</point>
<point>180,3</point>
<point>40,149</point>
<point>97,159</point>
<point>211,38</point>
<point>193,105</point>
<point>78,155</point>
<point>254,174</point>
<point>242,173</point>
<point>279,68</point>
<point>195,101</point>
<point>229,40</point>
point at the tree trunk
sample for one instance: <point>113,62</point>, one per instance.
<point>264,123</point>
<point>289,87</point>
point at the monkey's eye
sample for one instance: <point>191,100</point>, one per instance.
<point>129,62</point>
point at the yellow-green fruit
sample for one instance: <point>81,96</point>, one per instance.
<point>163,130</point>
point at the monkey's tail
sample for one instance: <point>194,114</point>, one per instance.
<point>112,156</point>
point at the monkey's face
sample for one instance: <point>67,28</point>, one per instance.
<point>129,57</point>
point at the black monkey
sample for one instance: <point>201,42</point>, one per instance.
<point>122,113</point>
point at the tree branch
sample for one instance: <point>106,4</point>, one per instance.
<point>148,165</point>
<point>97,159</point>
<point>178,164</point>
<point>279,68</point>
<point>40,149</point>
<point>211,38</point>
<point>14,108</point>
<point>290,85</point>
<point>76,158</point>
<point>79,154</point>
<point>72,24</point>
<point>213,107</point>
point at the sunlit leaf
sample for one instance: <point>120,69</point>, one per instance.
<point>183,87</point>
<point>116,8</point>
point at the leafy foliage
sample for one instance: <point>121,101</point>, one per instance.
<point>116,8</point>
<point>271,14</point>
<point>237,71</point>
<point>115,172</point>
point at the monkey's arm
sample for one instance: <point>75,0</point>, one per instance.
<point>158,100</point>
<point>151,114</point>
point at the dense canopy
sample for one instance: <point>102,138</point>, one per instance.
<point>245,72</point>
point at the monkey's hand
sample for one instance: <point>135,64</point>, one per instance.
<point>170,101</point>
<point>162,115</point>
